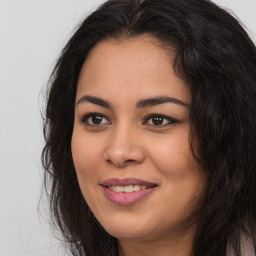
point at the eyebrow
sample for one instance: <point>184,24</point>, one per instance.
<point>159,100</point>
<point>140,104</point>
<point>94,100</point>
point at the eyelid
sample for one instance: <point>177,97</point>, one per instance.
<point>171,120</point>
<point>85,118</point>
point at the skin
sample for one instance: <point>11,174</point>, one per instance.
<point>126,143</point>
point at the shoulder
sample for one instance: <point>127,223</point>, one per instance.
<point>247,247</point>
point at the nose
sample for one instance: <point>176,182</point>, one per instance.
<point>124,148</point>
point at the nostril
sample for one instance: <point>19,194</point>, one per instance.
<point>122,163</point>
<point>129,161</point>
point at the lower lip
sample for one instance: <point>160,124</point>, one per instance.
<point>121,198</point>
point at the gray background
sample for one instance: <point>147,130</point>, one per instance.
<point>32,34</point>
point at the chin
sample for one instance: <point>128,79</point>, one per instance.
<point>129,230</point>
<point>131,234</point>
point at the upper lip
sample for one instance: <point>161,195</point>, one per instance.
<point>126,182</point>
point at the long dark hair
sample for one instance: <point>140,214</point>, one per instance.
<point>217,59</point>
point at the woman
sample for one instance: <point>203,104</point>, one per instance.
<point>150,132</point>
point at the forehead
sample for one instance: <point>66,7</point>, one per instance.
<point>140,65</point>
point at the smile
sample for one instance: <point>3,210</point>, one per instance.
<point>127,191</point>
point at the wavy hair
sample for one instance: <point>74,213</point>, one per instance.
<point>217,59</point>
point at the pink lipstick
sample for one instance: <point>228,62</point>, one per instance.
<point>127,191</point>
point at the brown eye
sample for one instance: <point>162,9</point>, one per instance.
<point>157,120</point>
<point>94,119</point>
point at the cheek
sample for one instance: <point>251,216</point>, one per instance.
<point>86,153</point>
<point>182,178</point>
<point>172,156</point>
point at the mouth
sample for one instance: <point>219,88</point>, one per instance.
<point>127,191</point>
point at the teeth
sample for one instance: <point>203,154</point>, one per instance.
<point>127,189</point>
<point>136,187</point>
<point>119,189</point>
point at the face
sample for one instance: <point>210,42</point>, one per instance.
<point>130,142</point>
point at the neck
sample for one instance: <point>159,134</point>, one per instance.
<point>175,246</point>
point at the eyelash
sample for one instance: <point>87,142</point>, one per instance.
<point>86,117</point>
<point>170,120</point>
<point>163,117</point>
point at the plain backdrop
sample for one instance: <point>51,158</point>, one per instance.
<point>32,33</point>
